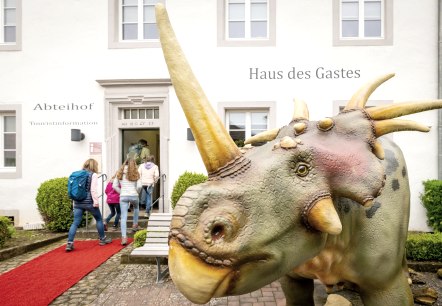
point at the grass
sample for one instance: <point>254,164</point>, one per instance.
<point>22,237</point>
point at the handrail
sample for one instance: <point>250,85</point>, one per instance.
<point>103,179</point>
<point>163,179</point>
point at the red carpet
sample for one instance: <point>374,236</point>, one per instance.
<point>41,280</point>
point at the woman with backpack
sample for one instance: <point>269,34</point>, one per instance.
<point>88,202</point>
<point>128,184</point>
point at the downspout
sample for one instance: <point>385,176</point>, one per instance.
<point>439,86</point>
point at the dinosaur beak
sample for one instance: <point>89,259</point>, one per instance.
<point>214,143</point>
<point>198,281</point>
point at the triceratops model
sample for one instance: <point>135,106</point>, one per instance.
<point>323,199</point>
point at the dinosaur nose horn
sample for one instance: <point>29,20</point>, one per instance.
<point>214,143</point>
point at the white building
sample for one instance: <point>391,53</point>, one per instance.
<point>97,66</point>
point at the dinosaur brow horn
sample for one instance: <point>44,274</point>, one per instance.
<point>263,136</point>
<point>360,98</point>
<point>383,127</point>
<point>301,110</point>
<point>214,143</point>
<point>402,109</point>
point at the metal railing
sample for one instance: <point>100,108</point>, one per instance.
<point>163,179</point>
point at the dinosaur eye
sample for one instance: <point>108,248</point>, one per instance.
<point>302,169</point>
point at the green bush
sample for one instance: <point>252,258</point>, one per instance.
<point>184,181</point>
<point>432,201</point>
<point>424,246</point>
<point>54,205</point>
<point>6,230</point>
<point>140,238</point>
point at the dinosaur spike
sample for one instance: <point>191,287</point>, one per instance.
<point>325,124</point>
<point>324,218</point>
<point>402,109</point>
<point>394,125</point>
<point>360,98</point>
<point>301,110</point>
<point>288,142</point>
<point>378,150</point>
<point>299,127</point>
<point>263,137</point>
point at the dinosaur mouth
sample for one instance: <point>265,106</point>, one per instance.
<point>198,281</point>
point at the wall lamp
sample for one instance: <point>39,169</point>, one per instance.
<point>76,135</point>
<point>190,135</point>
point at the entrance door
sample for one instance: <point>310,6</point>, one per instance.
<point>152,136</point>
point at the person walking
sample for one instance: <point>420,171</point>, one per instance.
<point>90,203</point>
<point>149,174</point>
<point>129,179</point>
<point>113,201</point>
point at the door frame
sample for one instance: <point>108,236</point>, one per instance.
<point>136,93</point>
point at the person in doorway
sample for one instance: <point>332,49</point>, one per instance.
<point>128,184</point>
<point>113,201</point>
<point>149,174</point>
<point>144,151</point>
<point>89,204</point>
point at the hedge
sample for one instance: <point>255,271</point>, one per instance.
<point>54,205</point>
<point>6,230</point>
<point>184,181</point>
<point>140,238</point>
<point>424,246</point>
<point>432,201</point>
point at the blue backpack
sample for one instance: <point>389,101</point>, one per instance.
<point>77,185</point>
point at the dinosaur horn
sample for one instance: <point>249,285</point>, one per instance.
<point>301,110</point>
<point>360,98</point>
<point>213,141</point>
<point>383,127</point>
<point>324,218</point>
<point>263,137</point>
<point>402,109</point>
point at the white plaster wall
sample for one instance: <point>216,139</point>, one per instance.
<point>65,50</point>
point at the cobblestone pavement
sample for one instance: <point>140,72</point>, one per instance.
<point>114,283</point>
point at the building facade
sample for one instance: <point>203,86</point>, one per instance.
<point>96,68</point>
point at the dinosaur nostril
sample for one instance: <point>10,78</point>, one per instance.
<point>217,232</point>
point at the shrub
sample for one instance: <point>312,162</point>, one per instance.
<point>424,246</point>
<point>432,201</point>
<point>54,205</point>
<point>184,181</point>
<point>140,238</point>
<point>6,230</point>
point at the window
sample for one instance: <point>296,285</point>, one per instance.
<point>362,22</point>
<point>246,119</point>
<point>245,124</point>
<point>141,113</point>
<point>10,144</point>
<point>132,24</point>
<point>8,140</point>
<point>246,22</point>
<point>10,25</point>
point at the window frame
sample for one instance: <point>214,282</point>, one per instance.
<point>12,172</point>
<point>386,27</point>
<point>222,27</point>
<point>17,45</point>
<point>115,29</point>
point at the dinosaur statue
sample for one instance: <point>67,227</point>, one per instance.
<point>325,200</point>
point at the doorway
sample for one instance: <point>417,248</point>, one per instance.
<point>152,136</point>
